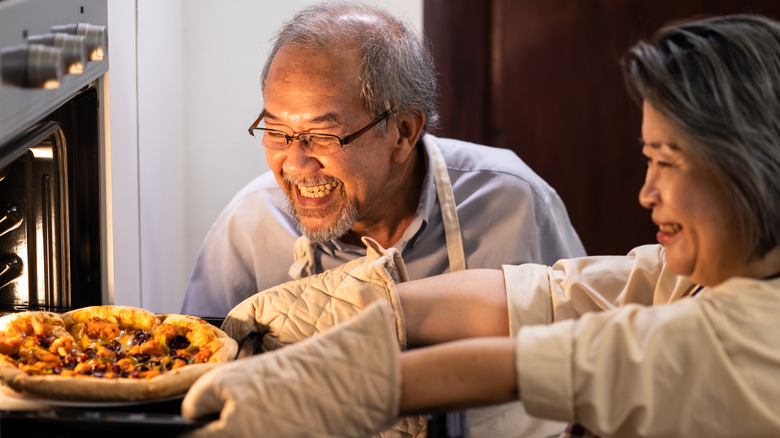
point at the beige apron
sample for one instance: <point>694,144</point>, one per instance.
<point>305,265</point>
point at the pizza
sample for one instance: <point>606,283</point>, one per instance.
<point>108,353</point>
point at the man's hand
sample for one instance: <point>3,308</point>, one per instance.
<point>299,309</point>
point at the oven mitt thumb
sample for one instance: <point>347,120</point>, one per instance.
<point>298,309</point>
<point>342,383</point>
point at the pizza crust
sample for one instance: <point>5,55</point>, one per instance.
<point>11,323</point>
<point>90,388</point>
<point>87,388</point>
<point>123,316</point>
<point>9,373</point>
<point>177,382</point>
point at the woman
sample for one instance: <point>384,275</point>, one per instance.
<point>676,339</point>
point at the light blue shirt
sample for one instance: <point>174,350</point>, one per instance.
<point>507,213</point>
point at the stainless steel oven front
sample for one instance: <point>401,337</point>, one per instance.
<point>53,61</point>
<point>54,219</point>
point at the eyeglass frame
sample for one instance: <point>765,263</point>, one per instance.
<point>289,138</point>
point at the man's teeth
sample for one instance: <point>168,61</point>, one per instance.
<point>670,229</point>
<point>317,191</point>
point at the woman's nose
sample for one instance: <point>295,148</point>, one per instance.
<point>648,193</point>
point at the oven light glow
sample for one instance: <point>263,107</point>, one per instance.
<point>42,152</point>
<point>76,68</point>
<point>51,84</point>
<point>96,55</point>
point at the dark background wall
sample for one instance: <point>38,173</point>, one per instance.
<point>542,77</point>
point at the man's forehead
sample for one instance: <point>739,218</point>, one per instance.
<point>321,68</point>
<point>304,101</point>
<point>308,85</point>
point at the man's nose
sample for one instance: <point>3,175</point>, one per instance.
<point>298,160</point>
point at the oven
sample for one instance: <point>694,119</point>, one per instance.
<point>53,58</point>
<point>54,225</point>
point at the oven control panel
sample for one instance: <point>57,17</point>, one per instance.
<point>45,59</point>
<point>49,49</point>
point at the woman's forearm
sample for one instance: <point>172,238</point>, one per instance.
<point>454,306</point>
<point>458,375</point>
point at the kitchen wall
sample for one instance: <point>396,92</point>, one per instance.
<point>184,87</point>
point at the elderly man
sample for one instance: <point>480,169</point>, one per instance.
<point>348,98</point>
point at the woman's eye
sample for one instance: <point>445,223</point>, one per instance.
<point>664,164</point>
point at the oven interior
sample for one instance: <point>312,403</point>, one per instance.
<point>50,219</point>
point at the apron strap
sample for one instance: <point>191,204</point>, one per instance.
<point>304,259</point>
<point>447,202</point>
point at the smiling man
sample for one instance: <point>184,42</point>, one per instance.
<point>349,97</point>
<point>369,186</point>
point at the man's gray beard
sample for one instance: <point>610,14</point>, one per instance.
<point>347,218</point>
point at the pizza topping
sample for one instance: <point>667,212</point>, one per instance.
<point>107,353</point>
<point>164,332</point>
<point>154,348</point>
<point>9,345</point>
<point>179,342</point>
<point>99,329</point>
<point>107,343</point>
<point>38,326</point>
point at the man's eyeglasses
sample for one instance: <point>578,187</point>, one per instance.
<point>317,144</point>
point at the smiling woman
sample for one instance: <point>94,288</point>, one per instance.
<point>671,340</point>
<point>697,225</point>
<point>711,187</point>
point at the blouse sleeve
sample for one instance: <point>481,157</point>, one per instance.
<point>696,367</point>
<point>539,294</point>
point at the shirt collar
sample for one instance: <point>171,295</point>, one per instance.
<point>421,217</point>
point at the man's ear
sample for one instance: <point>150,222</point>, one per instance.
<point>409,128</point>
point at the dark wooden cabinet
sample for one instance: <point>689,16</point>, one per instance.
<point>542,77</point>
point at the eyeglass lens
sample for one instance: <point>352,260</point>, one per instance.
<point>319,144</point>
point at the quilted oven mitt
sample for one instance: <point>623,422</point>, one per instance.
<point>298,309</point>
<point>342,383</point>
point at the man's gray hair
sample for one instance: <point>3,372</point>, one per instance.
<point>718,80</point>
<point>397,68</point>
